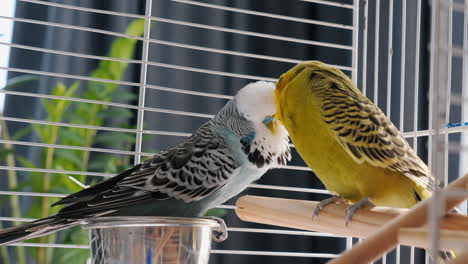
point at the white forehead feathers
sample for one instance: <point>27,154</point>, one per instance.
<point>256,100</point>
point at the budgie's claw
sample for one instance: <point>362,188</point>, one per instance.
<point>353,208</point>
<point>219,234</point>
<point>324,203</point>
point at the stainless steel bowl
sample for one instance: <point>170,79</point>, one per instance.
<point>150,240</point>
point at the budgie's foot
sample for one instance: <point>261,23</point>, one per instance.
<point>219,234</point>
<point>324,203</point>
<point>353,208</point>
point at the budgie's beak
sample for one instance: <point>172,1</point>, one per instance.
<point>279,92</point>
<point>270,123</point>
<point>280,85</point>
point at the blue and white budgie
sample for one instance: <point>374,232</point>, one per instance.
<point>216,163</point>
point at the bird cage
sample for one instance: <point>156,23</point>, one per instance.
<point>93,87</point>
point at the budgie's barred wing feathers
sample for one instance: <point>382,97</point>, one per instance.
<point>189,171</point>
<point>363,129</point>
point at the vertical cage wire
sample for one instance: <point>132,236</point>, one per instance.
<point>463,96</point>
<point>355,61</point>
<point>403,65</point>
<point>390,57</point>
<point>355,39</point>
<point>416,92</point>
<point>364,29</point>
<point>448,87</point>
<point>442,51</point>
<point>464,100</point>
<point>143,78</point>
<point>376,51</point>
<point>434,147</point>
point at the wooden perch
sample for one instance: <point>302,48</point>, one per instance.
<point>387,237</point>
<point>419,237</point>
<point>298,214</point>
<point>383,223</point>
<point>462,258</point>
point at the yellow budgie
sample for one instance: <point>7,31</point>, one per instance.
<point>347,141</point>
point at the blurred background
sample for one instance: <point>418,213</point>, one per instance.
<point>87,92</point>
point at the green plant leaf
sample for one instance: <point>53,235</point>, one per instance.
<point>4,153</point>
<point>35,209</point>
<point>126,96</point>
<point>77,236</point>
<point>19,80</point>
<point>41,132</point>
<point>122,48</point>
<point>20,133</point>
<point>25,163</point>
<point>127,125</point>
<point>3,199</point>
<point>136,28</point>
<point>98,163</point>
<point>114,138</point>
<point>68,155</point>
<point>63,184</point>
<point>117,112</point>
<point>49,107</point>
<point>35,178</point>
<point>72,89</point>
<point>72,136</point>
<point>21,186</point>
<point>71,256</point>
<point>218,212</point>
<point>112,165</point>
<point>57,109</point>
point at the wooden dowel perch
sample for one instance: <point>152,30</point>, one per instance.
<point>380,225</point>
<point>462,258</point>
<point>419,237</point>
<point>387,237</point>
<point>298,214</point>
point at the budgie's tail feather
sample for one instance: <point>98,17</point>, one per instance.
<point>34,229</point>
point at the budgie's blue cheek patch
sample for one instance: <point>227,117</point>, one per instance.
<point>247,140</point>
<point>268,120</point>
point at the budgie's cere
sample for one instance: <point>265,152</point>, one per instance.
<point>217,162</point>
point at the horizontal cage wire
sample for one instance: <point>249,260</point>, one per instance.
<point>169,65</point>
